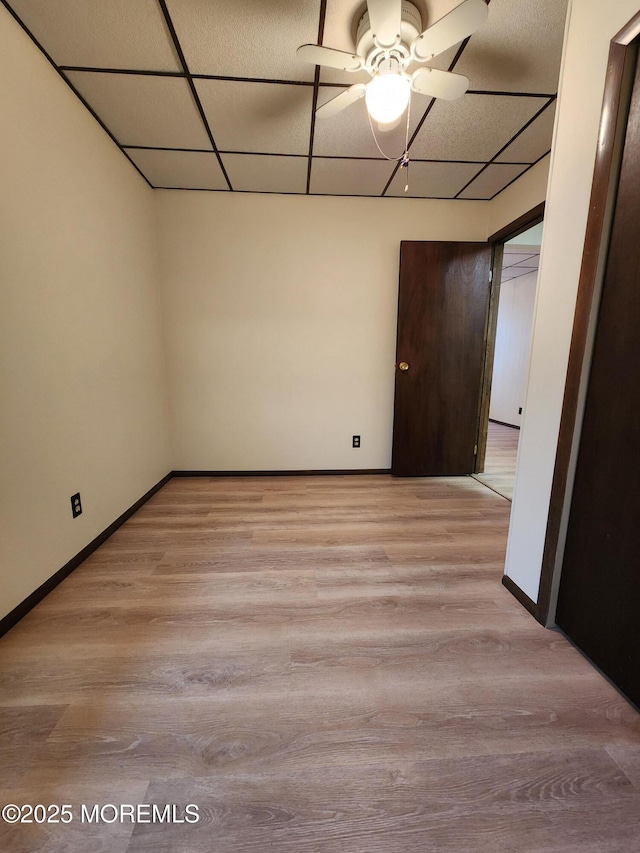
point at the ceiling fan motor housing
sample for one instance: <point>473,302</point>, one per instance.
<point>410,28</point>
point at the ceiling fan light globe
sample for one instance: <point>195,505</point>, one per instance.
<point>387,97</point>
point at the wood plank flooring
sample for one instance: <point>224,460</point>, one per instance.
<point>322,665</point>
<point>500,464</point>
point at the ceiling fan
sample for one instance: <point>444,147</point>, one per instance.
<point>389,39</point>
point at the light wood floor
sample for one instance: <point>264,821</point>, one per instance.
<point>500,463</point>
<point>322,665</point>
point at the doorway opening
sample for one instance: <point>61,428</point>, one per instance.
<point>508,352</point>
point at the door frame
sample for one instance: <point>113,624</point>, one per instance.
<point>613,122</point>
<point>497,240</point>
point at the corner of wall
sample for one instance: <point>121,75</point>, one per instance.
<point>517,199</point>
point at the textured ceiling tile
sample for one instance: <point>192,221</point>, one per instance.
<point>262,117</point>
<point>340,25</point>
<point>510,259</point>
<point>433,180</point>
<point>348,134</point>
<point>255,173</point>
<point>532,142</point>
<point>475,127</point>
<point>492,180</point>
<point>514,273</point>
<point>143,110</point>
<point>180,169</point>
<point>519,47</point>
<point>254,39</point>
<point>101,33</point>
<point>349,177</point>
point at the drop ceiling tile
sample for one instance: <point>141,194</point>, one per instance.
<point>510,259</point>
<point>258,39</point>
<point>258,117</point>
<point>519,47</point>
<point>533,142</point>
<point>475,127</point>
<point>101,33</point>
<point>433,180</point>
<point>180,169</point>
<point>494,179</point>
<point>264,173</point>
<point>510,275</point>
<point>349,177</point>
<point>348,134</point>
<point>144,110</point>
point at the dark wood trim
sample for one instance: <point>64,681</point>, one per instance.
<point>316,156</point>
<point>182,74</point>
<point>522,223</point>
<point>316,92</point>
<point>511,94</point>
<point>522,597</point>
<point>192,87</point>
<point>72,87</point>
<point>503,423</point>
<point>518,226</point>
<point>492,161</point>
<point>132,72</point>
<point>324,472</point>
<point>605,177</point>
<point>629,32</point>
<point>15,615</point>
<point>233,79</point>
<point>596,667</point>
<point>321,195</point>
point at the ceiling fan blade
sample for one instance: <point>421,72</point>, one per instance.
<point>342,101</point>
<point>315,54</point>
<point>449,30</point>
<point>439,84</point>
<point>385,18</point>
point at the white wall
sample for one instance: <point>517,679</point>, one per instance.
<point>281,323</point>
<point>580,101</point>
<point>82,387</point>
<point>513,343</point>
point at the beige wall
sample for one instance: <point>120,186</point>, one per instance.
<point>522,196</point>
<point>582,84</point>
<point>281,323</point>
<point>82,389</point>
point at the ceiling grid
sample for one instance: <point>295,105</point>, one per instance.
<point>212,96</point>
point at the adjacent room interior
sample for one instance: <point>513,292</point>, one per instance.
<point>217,595</point>
<point>514,326</point>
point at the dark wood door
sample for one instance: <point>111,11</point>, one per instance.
<point>599,595</point>
<point>442,317</point>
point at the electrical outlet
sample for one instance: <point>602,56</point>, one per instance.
<point>356,441</point>
<point>76,505</point>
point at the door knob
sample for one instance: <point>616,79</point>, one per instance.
<point>403,366</point>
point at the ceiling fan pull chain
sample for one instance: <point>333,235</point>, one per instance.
<point>405,153</point>
<point>404,164</point>
<point>405,160</point>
